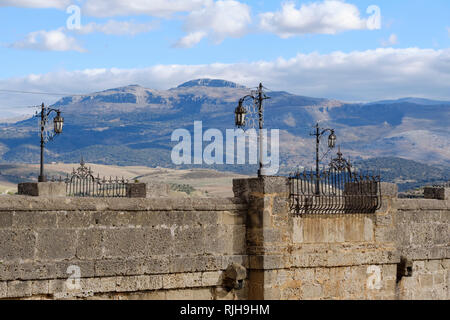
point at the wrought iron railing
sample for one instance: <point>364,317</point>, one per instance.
<point>334,192</point>
<point>442,185</point>
<point>82,183</point>
<point>96,187</point>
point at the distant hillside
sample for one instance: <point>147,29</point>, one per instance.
<point>407,174</point>
<point>133,125</point>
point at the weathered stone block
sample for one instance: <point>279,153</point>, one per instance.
<point>136,190</point>
<point>42,189</point>
<point>89,244</point>
<point>125,243</point>
<point>426,280</point>
<point>6,218</point>
<point>40,287</point>
<point>173,281</point>
<point>230,218</point>
<point>34,219</point>
<point>389,190</point>
<point>19,289</point>
<point>267,262</point>
<point>117,267</point>
<point>124,284</point>
<point>3,289</point>
<point>204,218</point>
<point>189,239</point>
<point>75,219</point>
<point>107,284</point>
<point>234,240</point>
<point>56,244</point>
<point>152,282</point>
<point>276,185</point>
<point>297,230</point>
<point>33,271</point>
<point>438,279</point>
<point>17,244</point>
<point>210,279</point>
<point>57,286</point>
<point>311,291</point>
<point>193,280</point>
<point>157,190</point>
<point>433,266</point>
<point>156,265</point>
<point>159,242</point>
<point>65,269</point>
<point>88,286</point>
<point>280,206</point>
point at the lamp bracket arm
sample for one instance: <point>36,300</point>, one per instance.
<point>245,97</point>
<point>50,110</point>
<point>325,130</point>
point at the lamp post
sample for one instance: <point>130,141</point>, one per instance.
<point>257,97</point>
<point>58,123</point>
<point>331,144</point>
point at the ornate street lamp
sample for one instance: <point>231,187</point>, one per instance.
<point>240,113</point>
<point>46,136</point>
<point>332,140</point>
<point>58,123</point>
<point>331,144</point>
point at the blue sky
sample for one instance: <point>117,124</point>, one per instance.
<point>318,48</point>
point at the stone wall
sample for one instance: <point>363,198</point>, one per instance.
<point>423,239</point>
<point>351,256</point>
<point>180,248</point>
<point>153,248</point>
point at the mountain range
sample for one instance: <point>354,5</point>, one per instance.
<point>132,125</point>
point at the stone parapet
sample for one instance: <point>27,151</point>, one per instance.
<point>137,190</point>
<point>42,189</point>
<point>438,193</point>
<point>26,203</point>
<point>389,190</point>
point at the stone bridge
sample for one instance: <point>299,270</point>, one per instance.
<point>55,247</point>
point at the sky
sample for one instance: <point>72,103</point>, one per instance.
<point>353,50</point>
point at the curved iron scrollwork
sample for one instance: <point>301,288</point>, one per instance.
<point>83,183</point>
<point>340,192</point>
<point>340,163</point>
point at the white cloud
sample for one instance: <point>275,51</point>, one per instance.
<point>113,27</point>
<point>355,76</point>
<point>191,39</point>
<point>162,8</point>
<point>218,20</point>
<point>327,17</point>
<point>54,40</point>
<point>215,19</point>
<point>393,40</point>
<point>59,4</point>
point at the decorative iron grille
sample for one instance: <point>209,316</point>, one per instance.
<point>338,192</point>
<point>443,185</point>
<point>82,183</point>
